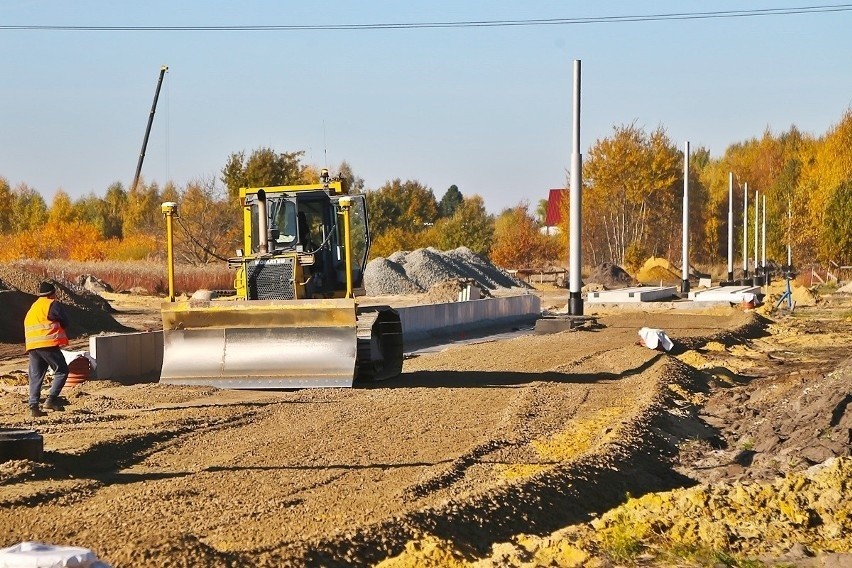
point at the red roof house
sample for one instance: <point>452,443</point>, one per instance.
<point>553,218</point>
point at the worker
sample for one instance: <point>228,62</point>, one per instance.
<point>44,333</point>
<point>305,232</point>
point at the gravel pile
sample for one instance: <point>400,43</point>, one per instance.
<point>419,270</point>
<point>386,277</point>
<point>88,312</point>
<point>610,276</point>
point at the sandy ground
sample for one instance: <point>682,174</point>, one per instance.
<point>474,444</point>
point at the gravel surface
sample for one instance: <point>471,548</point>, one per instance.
<point>473,445</point>
<point>470,441</point>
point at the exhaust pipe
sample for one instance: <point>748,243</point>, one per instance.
<point>262,223</point>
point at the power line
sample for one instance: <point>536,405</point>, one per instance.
<point>828,8</point>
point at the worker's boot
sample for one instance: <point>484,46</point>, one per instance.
<point>53,404</point>
<point>37,412</point>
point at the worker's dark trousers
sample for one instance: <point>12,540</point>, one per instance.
<point>40,360</point>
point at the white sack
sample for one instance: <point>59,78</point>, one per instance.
<point>654,338</point>
<point>71,355</point>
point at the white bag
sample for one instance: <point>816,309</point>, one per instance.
<point>654,338</point>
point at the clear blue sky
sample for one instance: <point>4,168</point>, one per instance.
<point>487,109</point>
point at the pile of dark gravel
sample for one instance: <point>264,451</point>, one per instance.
<point>610,276</point>
<point>419,270</point>
<point>88,312</point>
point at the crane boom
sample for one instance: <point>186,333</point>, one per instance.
<point>163,70</point>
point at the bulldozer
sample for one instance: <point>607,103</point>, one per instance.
<point>293,320</point>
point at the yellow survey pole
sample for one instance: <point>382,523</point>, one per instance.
<point>169,209</point>
<point>346,205</point>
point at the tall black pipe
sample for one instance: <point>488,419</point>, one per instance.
<point>163,70</point>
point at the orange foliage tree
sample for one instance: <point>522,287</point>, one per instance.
<point>74,241</point>
<point>518,242</point>
<point>633,193</point>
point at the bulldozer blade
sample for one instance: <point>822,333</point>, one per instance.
<point>260,344</point>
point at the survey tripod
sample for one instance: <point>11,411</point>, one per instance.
<point>789,276</point>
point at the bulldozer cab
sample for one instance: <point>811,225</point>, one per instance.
<point>305,236</point>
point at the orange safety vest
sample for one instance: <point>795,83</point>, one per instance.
<point>40,331</point>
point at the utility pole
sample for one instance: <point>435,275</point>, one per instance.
<point>731,227</point>
<point>745,234</point>
<point>575,261</point>
<point>684,284</point>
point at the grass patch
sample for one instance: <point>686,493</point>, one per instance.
<point>732,561</point>
<point>623,540</point>
<point>678,553</point>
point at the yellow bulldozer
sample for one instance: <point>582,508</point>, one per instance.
<point>294,321</point>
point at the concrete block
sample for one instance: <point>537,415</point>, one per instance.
<point>127,355</point>
<point>635,294</point>
<point>732,294</point>
<point>469,293</point>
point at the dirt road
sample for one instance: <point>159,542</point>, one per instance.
<point>473,444</point>
<point>269,477</point>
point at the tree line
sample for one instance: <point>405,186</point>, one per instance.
<point>632,199</point>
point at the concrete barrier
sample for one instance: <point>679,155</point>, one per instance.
<point>731,294</point>
<point>127,356</point>
<point>138,356</point>
<point>635,294</point>
<point>421,321</point>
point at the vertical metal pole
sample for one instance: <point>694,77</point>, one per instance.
<point>789,234</point>
<point>745,232</point>
<point>169,208</point>
<point>730,226</point>
<point>346,206</point>
<point>763,243</point>
<point>575,300</point>
<point>756,278</point>
<point>684,284</point>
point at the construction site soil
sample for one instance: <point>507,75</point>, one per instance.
<point>515,452</point>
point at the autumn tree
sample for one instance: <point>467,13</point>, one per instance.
<point>518,242</point>
<point>264,167</point>
<point>450,201</point>
<point>113,211</point>
<point>143,215</point>
<point>61,209</point>
<point>209,230</point>
<point>826,168</point>
<point>28,210</point>
<point>396,239</point>
<point>541,211</point>
<point>88,209</point>
<point>408,205</point>
<point>837,238</point>
<point>632,182</point>
<point>769,164</point>
<point>6,199</point>
<point>352,181</point>
<point>470,226</point>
